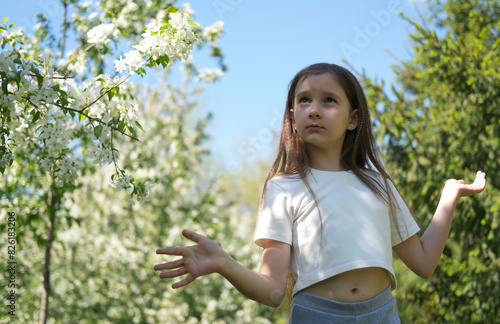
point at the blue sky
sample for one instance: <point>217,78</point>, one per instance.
<point>265,44</point>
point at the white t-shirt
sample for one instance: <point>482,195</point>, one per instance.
<point>353,231</point>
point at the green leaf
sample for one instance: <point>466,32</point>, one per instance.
<point>122,126</point>
<point>163,60</point>
<point>193,23</point>
<point>63,98</point>
<point>4,88</point>
<point>141,71</point>
<point>172,9</point>
<point>5,19</point>
<point>139,125</point>
<point>39,80</point>
<point>98,130</point>
<point>111,94</point>
<point>35,70</point>
<point>36,116</point>
<point>81,116</point>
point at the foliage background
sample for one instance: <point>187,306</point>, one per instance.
<point>441,121</point>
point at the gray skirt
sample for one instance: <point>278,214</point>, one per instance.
<point>311,309</point>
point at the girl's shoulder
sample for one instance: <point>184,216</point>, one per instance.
<point>288,182</point>
<point>285,178</point>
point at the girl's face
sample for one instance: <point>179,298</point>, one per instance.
<point>322,113</point>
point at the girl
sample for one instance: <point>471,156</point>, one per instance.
<point>329,213</point>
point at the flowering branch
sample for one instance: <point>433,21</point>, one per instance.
<point>28,79</point>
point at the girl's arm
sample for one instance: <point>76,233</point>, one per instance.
<point>267,286</point>
<point>422,254</point>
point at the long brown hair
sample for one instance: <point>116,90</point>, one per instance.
<point>359,151</point>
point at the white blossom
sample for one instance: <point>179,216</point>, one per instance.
<point>213,32</point>
<point>99,35</point>
<point>45,164</point>
<point>186,7</point>
<point>122,183</point>
<point>209,74</point>
<point>178,20</point>
<point>133,60</point>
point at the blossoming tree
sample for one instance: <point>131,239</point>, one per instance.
<point>62,112</point>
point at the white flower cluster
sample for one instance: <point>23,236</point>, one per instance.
<point>56,137</point>
<point>174,40</point>
<point>100,35</point>
<point>128,112</point>
<point>13,33</point>
<point>23,83</point>
<point>100,150</point>
<point>77,64</point>
<point>212,33</point>
<point>186,7</point>
<point>132,62</point>
<point>66,171</point>
<point>36,95</point>
<point>122,183</point>
<point>10,69</point>
<point>209,74</point>
<point>125,182</point>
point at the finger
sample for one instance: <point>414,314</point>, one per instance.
<point>480,180</point>
<point>173,273</point>
<point>186,281</point>
<point>192,235</point>
<point>478,185</point>
<point>171,250</point>
<point>169,265</point>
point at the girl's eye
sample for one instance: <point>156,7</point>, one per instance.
<point>303,99</point>
<point>330,100</point>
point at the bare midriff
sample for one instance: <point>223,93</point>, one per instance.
<point>352,286</point>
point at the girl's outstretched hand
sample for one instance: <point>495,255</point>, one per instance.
<point>463,190</point>
<point>201,259</point>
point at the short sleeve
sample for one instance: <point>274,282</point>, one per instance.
<point>275,220</point>
<point>406,225</point>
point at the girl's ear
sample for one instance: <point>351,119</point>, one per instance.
<point>353,122</point>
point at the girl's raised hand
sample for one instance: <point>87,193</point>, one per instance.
<point>464,190</point>
<point>201,259</point>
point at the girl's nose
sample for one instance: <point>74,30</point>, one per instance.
<point>314,112</point>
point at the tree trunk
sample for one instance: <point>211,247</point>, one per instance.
<point>52,208</point>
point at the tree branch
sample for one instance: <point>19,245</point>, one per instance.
<point>63,39</point>
<point>102,95</point>
<point>90,118</point>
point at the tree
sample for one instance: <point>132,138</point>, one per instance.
<point>61,113</point>
<point>442,121</point>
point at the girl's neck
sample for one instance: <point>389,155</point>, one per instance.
<point>325,162</point>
